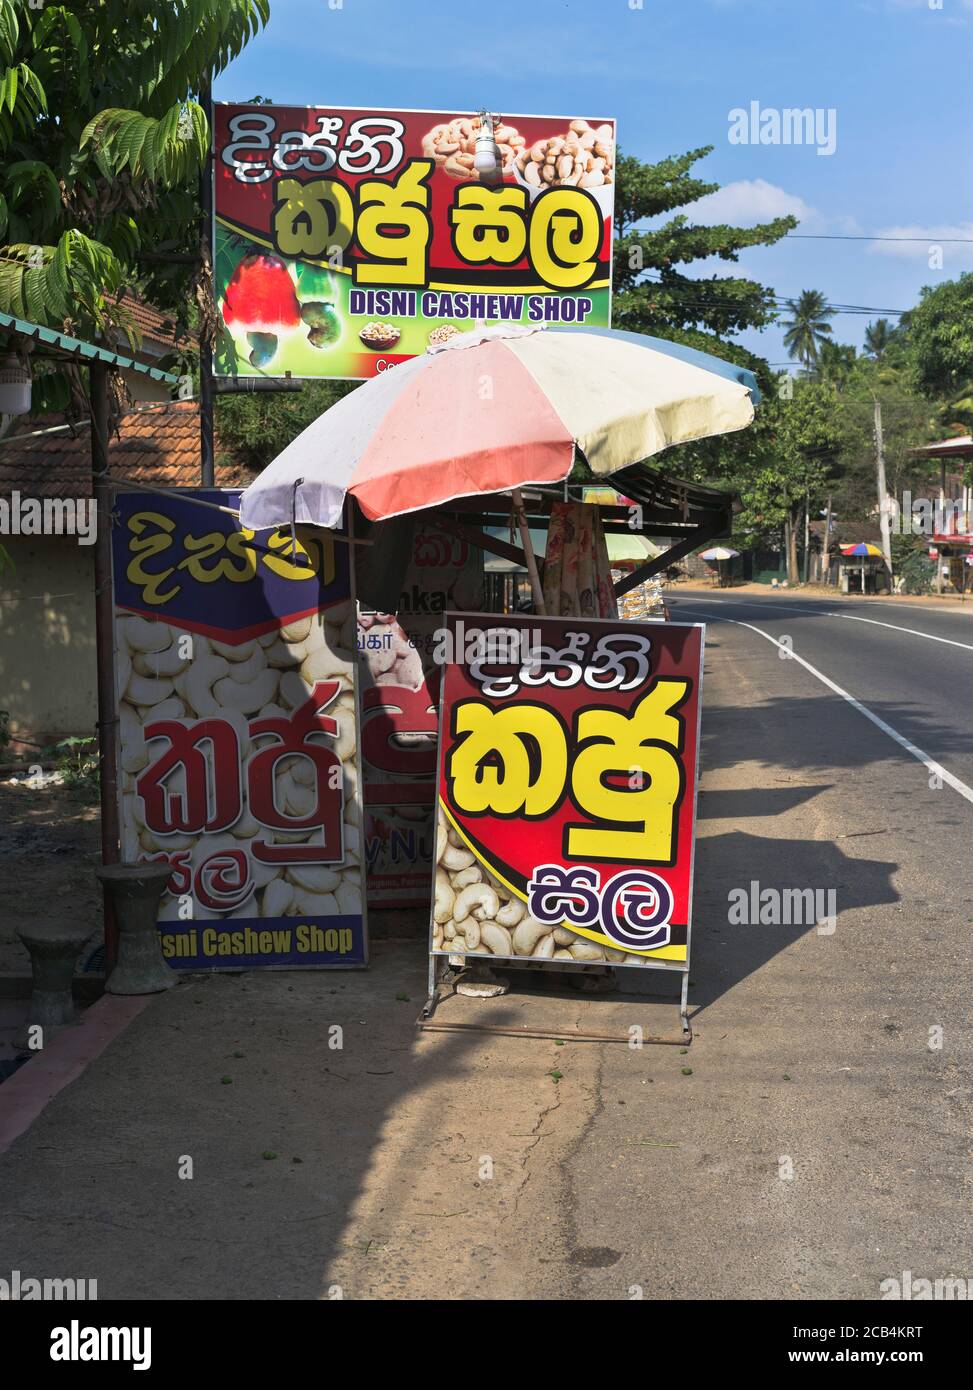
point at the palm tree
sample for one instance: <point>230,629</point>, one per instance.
<point>808,328</point>
<point>878,335</point>
<point>834,363</point>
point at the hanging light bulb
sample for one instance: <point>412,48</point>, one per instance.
<point>14,386</point>
<point>486,155</point>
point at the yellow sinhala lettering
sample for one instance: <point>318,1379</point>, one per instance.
<point>489,224</point>
<point>394,228</point>
<point>312,219</point>
<point>566,232</point>
<point>512,760</point>
<point>143,549</point>
<point>207,547</point>
<point>623,744</point>
<point>313,556</point>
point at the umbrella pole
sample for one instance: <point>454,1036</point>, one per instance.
<point>525,541</point>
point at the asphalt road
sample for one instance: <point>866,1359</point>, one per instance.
<point>821,1145</point>
<point>912,666</point>
<point>814,1141</point>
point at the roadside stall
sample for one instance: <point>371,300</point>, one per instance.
<point>611,896</point>
<point>721,556</point>
<point>862,569</point>
<point>526,776</point>
<point>509,583</point>
<point>951,533</point>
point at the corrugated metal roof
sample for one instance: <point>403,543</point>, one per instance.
<point>75,347</point>
<point>961,446</point>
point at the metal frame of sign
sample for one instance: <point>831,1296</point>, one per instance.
<point>436,976</point>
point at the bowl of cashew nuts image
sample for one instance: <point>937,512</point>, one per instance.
<point>266,677</point>
<point>474,914</point>
<point>583,156</point>
<point>452,144</point>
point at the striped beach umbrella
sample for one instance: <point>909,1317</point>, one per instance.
<point>496,409</point>
<point>861,548</point>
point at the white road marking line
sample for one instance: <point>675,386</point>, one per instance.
<point>900,739</point>
<point>752,603</point>
<point>853,617</point>
<point>814,606</point>
<point>829,613</point>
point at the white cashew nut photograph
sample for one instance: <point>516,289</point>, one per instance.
<point>475,914</point>
<point>165,672</point>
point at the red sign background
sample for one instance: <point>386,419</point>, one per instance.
<point>512,843</point>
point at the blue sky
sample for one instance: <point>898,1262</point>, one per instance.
<point>898,74</point>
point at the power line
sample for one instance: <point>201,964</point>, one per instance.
<point>922,240</point>
<point>835,236</point>
<point>778,301</point>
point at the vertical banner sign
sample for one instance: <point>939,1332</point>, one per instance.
<point>237,690</point>
<point>567,790</point>
<point>400,714</point>
<point>347,240</point>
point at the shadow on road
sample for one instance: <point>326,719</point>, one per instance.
<point>725,952</point>
<point>819,734</point>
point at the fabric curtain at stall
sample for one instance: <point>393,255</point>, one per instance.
<point>577,574</point>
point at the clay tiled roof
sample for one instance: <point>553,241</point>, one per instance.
<point>155,325</point>
<point>157,446</point>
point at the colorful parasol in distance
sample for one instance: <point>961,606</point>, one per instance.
<point>861,548</point>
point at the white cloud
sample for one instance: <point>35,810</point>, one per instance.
<point>919,243</point>
<point>748,201</point>
<point>936,10</point>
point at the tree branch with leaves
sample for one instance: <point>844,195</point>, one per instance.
<point>101,142</point>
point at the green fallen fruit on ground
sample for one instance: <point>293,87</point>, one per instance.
<point>268,1153</point>
<point>687,1071</point>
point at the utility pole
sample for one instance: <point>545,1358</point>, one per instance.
<point>807,533</point>
<point>826,553</point>
<point>940,586</point>
<point>207,474</point>
<point>883,496</point>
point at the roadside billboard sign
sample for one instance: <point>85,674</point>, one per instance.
<point>567,775</point>
<point>238,717</point>
<point>347,239</point>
